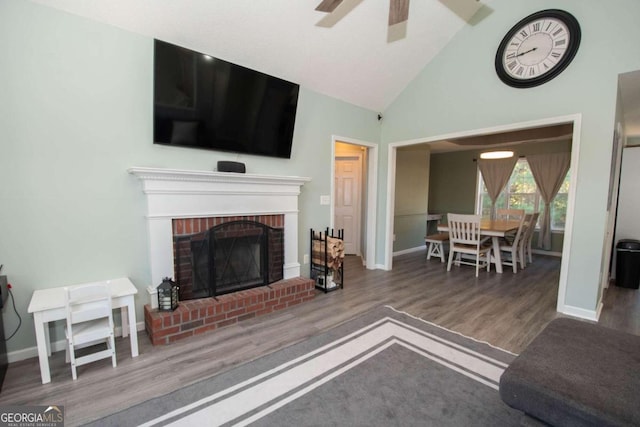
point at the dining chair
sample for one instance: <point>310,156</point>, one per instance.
<point>464,238</point>
<point>526,232</point>
<point>512,245</point>
<point>526,241</point>
<point>510,214</point>
<point>89,323</point>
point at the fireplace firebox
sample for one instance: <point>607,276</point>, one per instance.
<point>228,257</point>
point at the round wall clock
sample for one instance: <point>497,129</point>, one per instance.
<point>538,48</point>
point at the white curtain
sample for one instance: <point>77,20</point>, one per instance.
<point>549,171</point>
<point>496,174</point>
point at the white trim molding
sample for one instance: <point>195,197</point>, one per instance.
<point>174,193</point>
<point>410,250</point>
<point>581,313</point>
<point>546,253</point>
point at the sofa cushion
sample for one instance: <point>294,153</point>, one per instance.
<point>577,373</point>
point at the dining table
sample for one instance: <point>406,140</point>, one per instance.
<point>494,229</point>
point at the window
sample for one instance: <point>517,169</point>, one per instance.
<point>522,193</point>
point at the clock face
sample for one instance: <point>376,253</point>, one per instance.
<point>538,48</point>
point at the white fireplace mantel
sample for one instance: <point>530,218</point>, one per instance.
<point>173,193</point>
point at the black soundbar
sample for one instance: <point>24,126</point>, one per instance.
<point>228,166</point>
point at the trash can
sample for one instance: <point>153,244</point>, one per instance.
<point>628,263</point>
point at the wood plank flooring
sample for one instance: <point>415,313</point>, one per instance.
<point>505,310</point>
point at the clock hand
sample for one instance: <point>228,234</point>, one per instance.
<point>524,53</point>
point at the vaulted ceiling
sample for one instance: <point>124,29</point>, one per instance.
<point>351,60</point>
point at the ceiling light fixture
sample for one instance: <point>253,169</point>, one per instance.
<point>496,154</point>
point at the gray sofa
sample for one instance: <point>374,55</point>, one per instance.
<point>577,373</point>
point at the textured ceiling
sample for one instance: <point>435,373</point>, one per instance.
<point>351,61</point>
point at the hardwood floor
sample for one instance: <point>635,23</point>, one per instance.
<point>621,309</point>
<point>505,310</point>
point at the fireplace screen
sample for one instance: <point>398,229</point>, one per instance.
<point>229,257</point>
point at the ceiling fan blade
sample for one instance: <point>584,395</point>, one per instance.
<point>398,11</point>
<point>328,5</point>
<point>332,18</point>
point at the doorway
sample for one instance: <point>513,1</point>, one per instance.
<point>354,181</point>
<point>574,120</point>
<point>348,195</point>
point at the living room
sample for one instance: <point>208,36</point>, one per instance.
<point>80,116</point>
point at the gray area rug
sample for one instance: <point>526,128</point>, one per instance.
<point>383,368</point>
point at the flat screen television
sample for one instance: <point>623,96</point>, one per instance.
<point>205,102</point>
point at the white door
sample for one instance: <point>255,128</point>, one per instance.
<point>348,185</point>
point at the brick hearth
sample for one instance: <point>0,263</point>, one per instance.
<point>198,316</point>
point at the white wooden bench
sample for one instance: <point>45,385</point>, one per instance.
<point>435,245</point>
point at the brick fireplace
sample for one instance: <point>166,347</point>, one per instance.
<point>186,202</point>
<point>199,262</point>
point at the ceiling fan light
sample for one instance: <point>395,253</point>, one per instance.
<point>496,154</point>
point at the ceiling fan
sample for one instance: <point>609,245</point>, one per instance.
<point>398,9</point>
<point>398,13</point>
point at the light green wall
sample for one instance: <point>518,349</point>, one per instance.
<point>453,179</point>
<point>76,112</point>
<point>411,198</point>
<point>459,91</point>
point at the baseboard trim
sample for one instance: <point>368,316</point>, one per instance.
<point>599,311</point>
<point>581,313</point>
<point>410,250</point>
<point>548,253</point>
<point>29,352</point>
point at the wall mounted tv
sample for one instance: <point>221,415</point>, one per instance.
<point>205,102</point>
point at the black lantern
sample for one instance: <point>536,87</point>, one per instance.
<point>168,295</point>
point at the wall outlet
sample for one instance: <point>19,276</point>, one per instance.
<point>325,200</point>
<point>305,259</point>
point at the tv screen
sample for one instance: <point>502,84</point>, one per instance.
<point>205,102</point>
